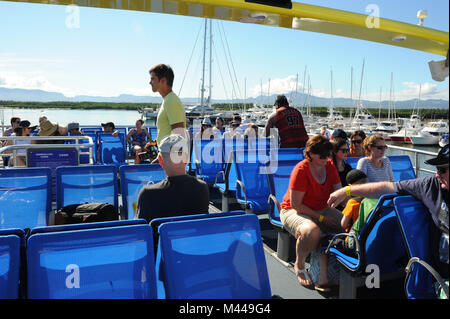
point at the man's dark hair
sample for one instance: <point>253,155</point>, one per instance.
<point>281,100</point>
<point>164,71</point>
<point>14,119</point>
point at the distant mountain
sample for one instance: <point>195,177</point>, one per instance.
<point>44,96</point>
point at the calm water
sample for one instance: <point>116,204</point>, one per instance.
<point>128,118</point>
<point>84,117</point>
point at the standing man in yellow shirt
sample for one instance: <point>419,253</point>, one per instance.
<point>171,117</point>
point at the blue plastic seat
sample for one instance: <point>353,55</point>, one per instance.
<point>415,220</point>
<point>208,159</point>
<point>25,197</point>
<point>379,243</point>
<point>111,150</point>
<point>11,241</point>
<point>278,183</point>
<point>100,263</point>
<point>86,184</point>
<point>132,179</point>
<point>252,189</point>
<point>84,158</point>
<point>291,153</point>
<point>221,258</point>
<point>402,167</point>
<point>352,161</point>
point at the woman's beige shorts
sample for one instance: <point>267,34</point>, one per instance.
<point>292,221</point>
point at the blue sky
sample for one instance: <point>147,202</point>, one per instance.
<point>110,52</point>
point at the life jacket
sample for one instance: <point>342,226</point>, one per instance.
<point>292,132</point>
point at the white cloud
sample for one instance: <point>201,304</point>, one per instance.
<point>277,86</point>
<point>30,81</point>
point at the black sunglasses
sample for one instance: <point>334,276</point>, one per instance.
<point>442,170</point>
<point>357,141</point>
<point>381,147</point>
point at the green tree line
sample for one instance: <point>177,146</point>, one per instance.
<point>318,111</point>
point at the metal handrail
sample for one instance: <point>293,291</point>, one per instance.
<point>416,153</point>
<point>15,147</point>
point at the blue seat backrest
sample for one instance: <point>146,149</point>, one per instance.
<point>278,181</point>
<point>86,184</point>
<point>111,150</point>
<point>414,220</point>
<point>281,154</point>
<point>250,170</point>
<point>402,167</point>
<point>382,234</point>
<point>10,243</point>
<point>99,263</point>
<point>214,258</point>
<point>153,130</point>
<point>208,158</point>
<point>25,197</point>
<point>84,158</point>
<point>352,161</point>
<point>132,179</point>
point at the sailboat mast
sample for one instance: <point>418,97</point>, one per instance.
<point>332,106</point>
<point>210,62</point>
<point>203,72</point>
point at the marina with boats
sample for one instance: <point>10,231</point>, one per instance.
<point>240,249</point>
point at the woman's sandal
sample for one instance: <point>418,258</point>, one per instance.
<point>304,272</point>
<point>322,288</point>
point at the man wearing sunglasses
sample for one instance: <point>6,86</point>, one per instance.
<point>432,191</point>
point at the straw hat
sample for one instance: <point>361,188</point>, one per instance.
<point>47,128</point>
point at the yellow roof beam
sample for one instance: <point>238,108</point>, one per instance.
<point>301,17</point>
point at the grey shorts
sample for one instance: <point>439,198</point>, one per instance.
<point>292,221</point>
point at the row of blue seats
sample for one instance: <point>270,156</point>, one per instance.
<point>26,193</point>
<point>199,256</point>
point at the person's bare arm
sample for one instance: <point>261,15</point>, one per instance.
<point>371,190</point>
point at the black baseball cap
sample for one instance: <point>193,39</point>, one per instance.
<point>109,124</point>
<point>441,159</point>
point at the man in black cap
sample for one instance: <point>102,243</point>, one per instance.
<point>109,127</point>
<point>289,122</point>
<point>432,191</point>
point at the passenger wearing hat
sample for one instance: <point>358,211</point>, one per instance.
<point>109,127</point>
<point>432,191</point>
<point>24,129</point>
<point>179,194</point>
<point>339,133</point>
<point>74,128</point>
<point>206,132</point>
<point>47,128</point>
<point>289,122</point>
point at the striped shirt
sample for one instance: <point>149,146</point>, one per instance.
<point>383,174</point>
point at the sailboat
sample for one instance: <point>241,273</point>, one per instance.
<point>389,126</point>
<point>410,127</point>
<point>363,120</point>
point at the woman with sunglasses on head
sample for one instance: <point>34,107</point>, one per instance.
<point>340,151</point>
<point>375,165</point>
<point>304,210</point>
<point>356,144</point>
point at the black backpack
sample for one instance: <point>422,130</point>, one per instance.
<point>85,213</point>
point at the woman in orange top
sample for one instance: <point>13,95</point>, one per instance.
<point>304,211</point>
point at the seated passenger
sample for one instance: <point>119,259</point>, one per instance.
<point>351,210</point>
<point>375,165</point>
<point>14,123</point>
<point>340,151</point>
<point>219,129</point>
<point>432,191</point>
<point>47,128</point>
<point>138,137</point>
<point>23,129</point>
<point>109,127</point>
<point>179,194</point>
<point>206,131</point>
<point>74,128</point>
<point>304,211</point>
<point>356,144</point>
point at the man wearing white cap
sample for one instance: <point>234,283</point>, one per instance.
<point>179,194</point>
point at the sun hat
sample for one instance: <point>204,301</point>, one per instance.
<point>206,121</point>
<point>441,159</point>
<point>174,143</point>
<point>47,128</point>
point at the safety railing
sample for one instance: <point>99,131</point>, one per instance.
<point>11,151</point>
<point>416,154</point>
